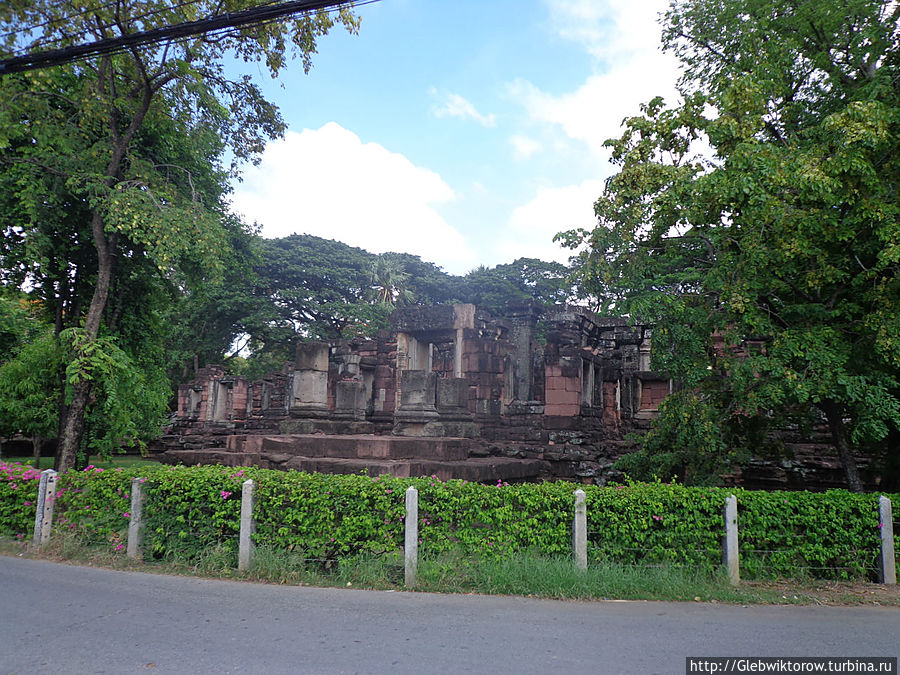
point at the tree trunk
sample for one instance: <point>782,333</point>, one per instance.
<point>37,444</point>
<point>72,427</point>
<point>834,413</point>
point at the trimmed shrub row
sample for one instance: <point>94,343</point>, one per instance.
<point>189,510</point>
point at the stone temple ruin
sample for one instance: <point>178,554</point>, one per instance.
<point>453,392</point>
<point>449,391</point>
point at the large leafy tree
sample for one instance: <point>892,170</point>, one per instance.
<point>427,283</point>
<point>321,289</point>
<point>523,280</point>
<point>769,262</point>
<point>99,133</point>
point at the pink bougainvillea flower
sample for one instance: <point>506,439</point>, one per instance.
<point>225,494</point>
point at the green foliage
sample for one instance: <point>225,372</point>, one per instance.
<point>18,498</point>
<point>324,517</point>
<point>129,398</point>
<point>696,438</point>
<point>492,521</point>
<point>523,280</point>
<point>545,577</point>
<point>324,289</point>
<point>768,266</point>
<point>117,417</point>
<point>191,510</point>
<point>215,322</point>
<point>390,281</point>
<point>321,289</point>
<point>120,158</point>
<point>192,514</point>
<point>830,535</point>
<point>19,323</point>
<point>28,389</point>
<point>656,523</point>
<point>94,504</point>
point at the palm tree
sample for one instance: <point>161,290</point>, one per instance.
<point>389,281</point>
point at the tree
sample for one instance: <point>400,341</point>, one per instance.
<point>321,289</point>
<point>770,266</point>
<point>95,129</point>
<point>28,372</point>
<point>427,283</point>
<point>390,281</point>
<point>217,323</point>
<point>524,279</point>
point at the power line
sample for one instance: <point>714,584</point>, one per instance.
<point>63,21</point>
<point>255,15</point>
<point>56,20</point>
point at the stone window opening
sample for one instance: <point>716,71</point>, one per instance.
<point>195,401</point>
<point>587,383</point>
<point>220,402</point>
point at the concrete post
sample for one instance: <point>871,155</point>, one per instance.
<point>886,526</point>
<point>411,542</point>
<point>731,541</point>
<point>43,519</point>
<point>579,531</point>
<point>133,549</point>
<point>248,526</point>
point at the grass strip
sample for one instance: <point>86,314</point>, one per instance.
<point>521,575</point>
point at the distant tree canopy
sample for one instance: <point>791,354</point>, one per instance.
<point>787,234</point>
<point>307,287</point>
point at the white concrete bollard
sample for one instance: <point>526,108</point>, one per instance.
<point>579,531</point>
<point>43,519</point>
<point>731,541</point>
<point>886,526</point>
<point>133,548</point>
<point>248,525</point>
<point>411,541</point>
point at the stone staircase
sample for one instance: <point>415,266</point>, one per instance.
<point>400,456</point>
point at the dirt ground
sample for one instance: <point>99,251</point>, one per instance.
<point>837,593</point>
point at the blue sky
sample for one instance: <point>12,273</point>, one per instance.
<point>466,132</point>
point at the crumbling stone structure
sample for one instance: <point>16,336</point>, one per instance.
<point>454,392</point>
<point>522,407</point>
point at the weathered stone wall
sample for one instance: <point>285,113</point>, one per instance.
<point>564,405</point>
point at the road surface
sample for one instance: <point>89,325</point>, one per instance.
<point>57,618</point>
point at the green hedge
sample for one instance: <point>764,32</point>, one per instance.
<point>188,510</point>
<point>18,499</point>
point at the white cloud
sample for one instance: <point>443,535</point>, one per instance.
<point>328,183</point>
<point>531,226</point>
<point>609,30</point>
<point>454,105</point>
<point>524,147</point>
<point>622,38</point>
<point>630,69</point>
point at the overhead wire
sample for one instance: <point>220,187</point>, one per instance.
<point>220,25</point>
<point>85,33</point>
<point>57,20</point>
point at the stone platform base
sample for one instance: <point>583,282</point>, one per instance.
<point>444,458</point>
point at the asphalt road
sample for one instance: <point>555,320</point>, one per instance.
<point>58,618</point>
